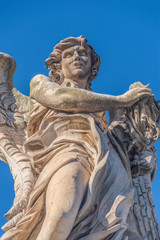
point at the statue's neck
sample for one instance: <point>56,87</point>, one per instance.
<point>73,83</point>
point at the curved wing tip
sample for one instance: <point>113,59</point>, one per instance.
<point>5,55</point>
<point>6,58</point>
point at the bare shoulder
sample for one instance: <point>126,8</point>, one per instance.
<point>41,83</point>
<point>40,78</point>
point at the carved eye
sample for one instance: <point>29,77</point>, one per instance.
<point>68,55</point>
<point>82,53</point>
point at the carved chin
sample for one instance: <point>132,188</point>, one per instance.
<point>79,72</point>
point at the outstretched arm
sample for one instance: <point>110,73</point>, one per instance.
<point>75,100</point>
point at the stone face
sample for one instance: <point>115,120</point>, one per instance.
<point>76,177</point>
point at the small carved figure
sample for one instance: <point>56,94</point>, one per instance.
<point>75,176</point>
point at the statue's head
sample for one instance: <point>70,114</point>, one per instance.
<point>64,49</point>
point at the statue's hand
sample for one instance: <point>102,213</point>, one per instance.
<point>135,93</point>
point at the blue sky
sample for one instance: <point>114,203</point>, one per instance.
<point>124,33</point>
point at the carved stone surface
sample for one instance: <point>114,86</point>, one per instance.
<point>76,176</point>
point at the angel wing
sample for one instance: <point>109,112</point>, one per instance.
<point>137,129</point>
<point>14,112</point>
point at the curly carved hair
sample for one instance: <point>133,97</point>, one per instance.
<point>53,63</point>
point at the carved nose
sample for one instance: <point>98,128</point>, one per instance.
<point>76,55</point>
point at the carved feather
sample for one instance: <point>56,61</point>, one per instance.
<point>14,112</point>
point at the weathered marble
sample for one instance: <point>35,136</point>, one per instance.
<point>77,177</point>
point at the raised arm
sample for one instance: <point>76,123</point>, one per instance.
<point>52,95</point>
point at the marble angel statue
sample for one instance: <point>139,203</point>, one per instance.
<point>77,177</point>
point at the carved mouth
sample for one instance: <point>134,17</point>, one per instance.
<point>77,64</point>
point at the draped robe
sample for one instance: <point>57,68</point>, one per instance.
<point>56,138</point>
